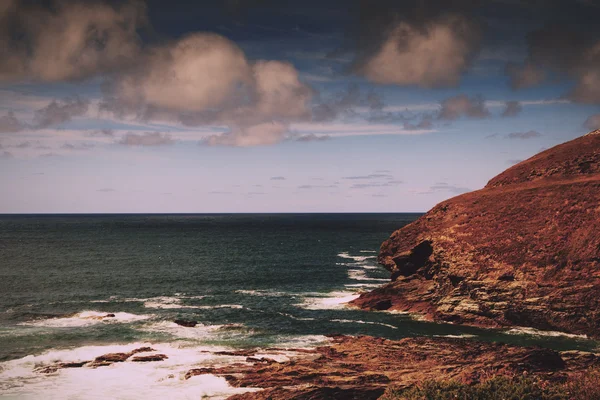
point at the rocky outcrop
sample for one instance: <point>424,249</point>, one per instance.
<point>186,323</point>
<point>105,360</point>
<point>363,367</point>
<point>523,251</point>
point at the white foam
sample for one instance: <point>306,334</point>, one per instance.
<point>87,318</point>
<point>200,331</point>
<point>461,336</point>
<point>126,380</point>
<point>368,251</point>
<point>361,275</point>
<point>302,342</point>
<point>267,293</point>
<point>328,301</point>
<point>355,258</point>
<point>296,318</point>
<point>353,321</point>
<point>537,332</point>
<point>164,302</point>
<point>233,306</point>
<point>363,285</point>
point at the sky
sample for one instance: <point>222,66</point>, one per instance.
<point>283,106</point>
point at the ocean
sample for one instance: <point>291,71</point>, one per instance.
<point>250,281</point>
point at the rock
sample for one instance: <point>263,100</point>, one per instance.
<point>523,251</point>
<point>152,357</point>
<point>243,353</point>
<point>112,357</point>
<point>383,305</point>
<point>141,350</point>
<point>363,366</point>
<point>262,360</point>
<point>109,316</point>
<point>198,371</point>
<point>186,323</point>
<point>55,367</point>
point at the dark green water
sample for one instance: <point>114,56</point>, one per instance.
<point>249,280</point>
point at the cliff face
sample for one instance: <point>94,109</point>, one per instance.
<point>523,251</point>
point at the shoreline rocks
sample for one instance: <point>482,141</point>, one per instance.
<point>363,367</point>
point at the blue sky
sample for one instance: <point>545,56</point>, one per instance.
<point>262,106</point>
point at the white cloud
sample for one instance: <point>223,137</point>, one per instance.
<point>434,55</point>
<point>73,40</point>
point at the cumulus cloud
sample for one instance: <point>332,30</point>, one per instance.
<point>206,79</point>
<point>67,40</point>
<point>567,52</point>
<point>59,112</point>
<point>195,73</point>
<point>434,53</point>
<point>10,124</point>
<point>146,139</point>
<point>512,109</point>
<point>524,135</point>
<point>593,122</point>
<point>462,105</point>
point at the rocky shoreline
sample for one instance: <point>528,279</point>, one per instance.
<point>523,251</point>
<point>365,367</point>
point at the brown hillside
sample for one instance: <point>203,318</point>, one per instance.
<point>523,251</point>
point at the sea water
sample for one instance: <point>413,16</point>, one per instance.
<point>250,281</point>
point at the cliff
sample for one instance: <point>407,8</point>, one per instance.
<point>523,251</point>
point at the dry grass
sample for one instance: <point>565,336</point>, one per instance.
<point>583,386</point>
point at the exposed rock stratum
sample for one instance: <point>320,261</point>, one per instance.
<point>523,251</point>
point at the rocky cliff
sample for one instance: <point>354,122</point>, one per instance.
<point>523,251</point>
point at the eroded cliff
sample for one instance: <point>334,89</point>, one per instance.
<point>523,251</point>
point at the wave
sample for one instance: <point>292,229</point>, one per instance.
<point>200,331</point>
<point>296,318</point>
<point>302,341</point>
<point>259,292</point>
<point>164,302</point>
<point>537,332</point>
<point>368,251</point>
<point>360,275</point>
<point>328,301</point>
<point>87,318</point>
<point>355,258</point>
<point>353,321</point>
<point>126,380</point>
<point>363,285</point>
<point>356,265</point>
<point>461,336</point>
